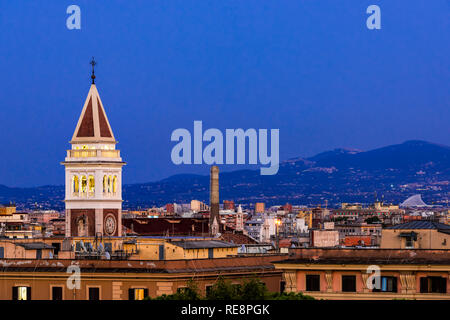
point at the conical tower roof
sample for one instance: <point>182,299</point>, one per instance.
<point>93,125</point>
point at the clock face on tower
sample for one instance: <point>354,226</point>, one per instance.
<point>110,224</point>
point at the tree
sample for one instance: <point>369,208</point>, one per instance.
<point>223,290</point>
<point>290,296</point>
<point>253,289</point>
<point>191,292</point>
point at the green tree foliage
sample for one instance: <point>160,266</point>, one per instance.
<point>223,290</point>
<point>290,296</point>
<point>254,289</point>
<point>191,292</point>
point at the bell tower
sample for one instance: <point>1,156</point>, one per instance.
<point>93,167</point>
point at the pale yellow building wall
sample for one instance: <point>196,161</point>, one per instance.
<point>13,251</point>
<point>426,239</point>
<point>150,251</point>
<point>7,210</point>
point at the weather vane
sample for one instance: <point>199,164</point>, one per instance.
<point>93,63</point>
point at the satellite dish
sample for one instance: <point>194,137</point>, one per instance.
<point>107,255</point>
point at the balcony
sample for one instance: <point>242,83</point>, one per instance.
<point>83,194</point>
<point>109,194</point>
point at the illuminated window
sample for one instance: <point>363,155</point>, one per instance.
<point>91,184</point>
<point>76,184</point>
<point>105,184</point>
<point>85,147</point>
<point>83,184</point>
<point>115,184</point>
<point>21,293</point>
<point>109,183</point>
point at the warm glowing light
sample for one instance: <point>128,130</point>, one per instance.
<point>22,293</point>
<point>114,184</point>
<point>91,184</point>
<point>76,184</point>
<point>138,294</point>
<point>83,184</point>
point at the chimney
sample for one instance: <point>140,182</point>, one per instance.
<point>214,201</point>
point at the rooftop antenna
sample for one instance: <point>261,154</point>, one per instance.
<point>93,63</point>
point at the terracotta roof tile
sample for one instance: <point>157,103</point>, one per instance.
<point>87,124</point>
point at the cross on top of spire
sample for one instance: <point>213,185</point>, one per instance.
<point>93,63</point>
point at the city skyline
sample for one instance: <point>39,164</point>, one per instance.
<point>213,158</point>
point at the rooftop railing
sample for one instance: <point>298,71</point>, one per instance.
<point>93,153</point>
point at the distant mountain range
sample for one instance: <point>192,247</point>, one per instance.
<point>392,173</point>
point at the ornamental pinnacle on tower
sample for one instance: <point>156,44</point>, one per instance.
<point>93,174</point>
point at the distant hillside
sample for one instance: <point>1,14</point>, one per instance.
<point>341,175</point>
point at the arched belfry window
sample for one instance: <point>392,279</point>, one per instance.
<point>91,184</point>
<point>75,184</point>
<point>115,184</point>
<point>83,184</point>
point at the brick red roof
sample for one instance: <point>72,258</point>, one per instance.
<point>104,128</point>
<point>368,256</point>
<point>168,226</point>
<point>237,238</point>
<point>234,264</point>
<point>87,123</point>
<point>93,125</point>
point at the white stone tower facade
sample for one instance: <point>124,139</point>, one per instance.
<point>93,169</point>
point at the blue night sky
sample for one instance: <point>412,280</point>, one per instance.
<point>310,68</point>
